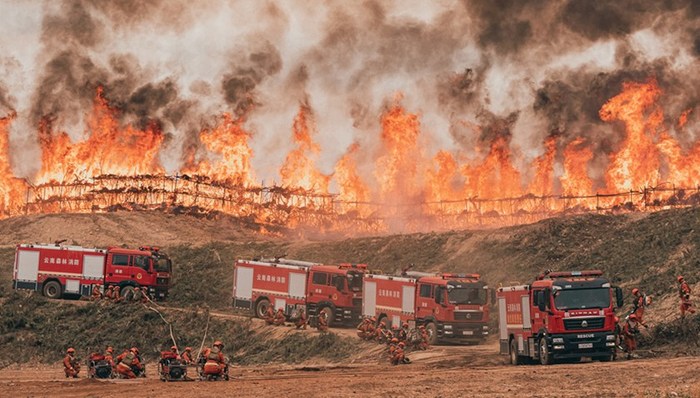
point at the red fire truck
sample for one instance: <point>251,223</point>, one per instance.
<point>453,307</point>
<point>561,315</point>
<point>291,284</point>
<point>57,270</point>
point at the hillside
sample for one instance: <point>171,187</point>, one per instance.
<point>645,250</point>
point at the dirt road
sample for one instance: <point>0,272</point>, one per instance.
<point>441,371</point>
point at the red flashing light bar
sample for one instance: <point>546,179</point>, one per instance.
<point>565,274</point>
<point>470,276</point>
<point>349,265</point>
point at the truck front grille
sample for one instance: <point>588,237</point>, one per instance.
<point>468,315</point>
<point>583,324</point>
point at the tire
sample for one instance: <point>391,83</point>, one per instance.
<point>52,290</point>
<point>545,355</point>
<point>127,292</point>
<point>261,307</point>
<point>514,357</point>
<point>431,327</point>
<point>330,315</point>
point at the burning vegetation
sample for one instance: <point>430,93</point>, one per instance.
<point>117,167</point>
<point>555,112</point>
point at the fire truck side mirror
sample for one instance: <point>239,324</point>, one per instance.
<point>619,297</point>
<point>493,296</point>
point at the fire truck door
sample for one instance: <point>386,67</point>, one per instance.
<point>369,298</point>
<point>93,266</point>
<point>408,299</point>
<point>27,268</point>
<point>243,288</point>
<point>297,285</point>
<point>502,319</point>
<point>525,305</point>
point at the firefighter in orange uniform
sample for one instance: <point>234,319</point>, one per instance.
<point>128,361</point>
<point>117,296</point>
<point>403,332</point>
<point>109,293</point>
<point>323,322</point>
<point>638,305</point>
<point>186,356</point>
<point>629,332</point>
<point>380,333</point>
<point>71,365</point>
<point>302,320</point>
<point>399,356</point>
<point>269,315</point>
<point>96,293</point>
<point>279,318</point>
<point>684,294</point>
<point>109,355</point>
<point>215,361</point>
<point>425,338</point>
<point>363,328</point>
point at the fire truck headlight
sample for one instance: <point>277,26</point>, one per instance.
<point>558,347</point>
<point>486,327</point>
<point>448,326</point>
<point>558,340</point>
<point>610,344</point>
<point>610,337</point>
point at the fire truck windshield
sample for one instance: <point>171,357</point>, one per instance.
<point>162,264</point>
<point>467,295</point>
<point>355,281</point>
<point>574,299</point>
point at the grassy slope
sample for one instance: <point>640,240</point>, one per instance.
<point>634,250</point>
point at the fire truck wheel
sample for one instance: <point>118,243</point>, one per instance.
<point>514,357</point>
<point>261,307</point>
<point>52,290</point>
<point>545,358</point>
<point>432,332</point>
<point>127,292</point>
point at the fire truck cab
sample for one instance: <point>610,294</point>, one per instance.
<point>452,307</point>
<point>291,284</point>
<point>57,270</point>
<point>561,315</point>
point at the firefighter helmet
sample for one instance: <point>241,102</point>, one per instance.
<point>402,344</point>
<point>70,350</point>
<point>680,278</point>
<point>218,343</point>
<point>635,291</point>
<point>134,350</point>
<point>110,349</point>
<point>173,348</point>
<point>188,348</point>
<point>394,340</point>
<point>633,317</point>
<point>405,324</point>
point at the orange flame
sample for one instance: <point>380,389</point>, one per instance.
<point>396,169</point>
<point>445,183</point>
<point>495,177</point>
<point>542,183</point>
<point>299,168</point>
<point>107,149</point>
<point>11,189</point>
<point>351,188</point>
<point>228,143</point>
<point>575,180</point>
<point>636,165</point>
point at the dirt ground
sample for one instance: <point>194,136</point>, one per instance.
<point>439,372</point>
